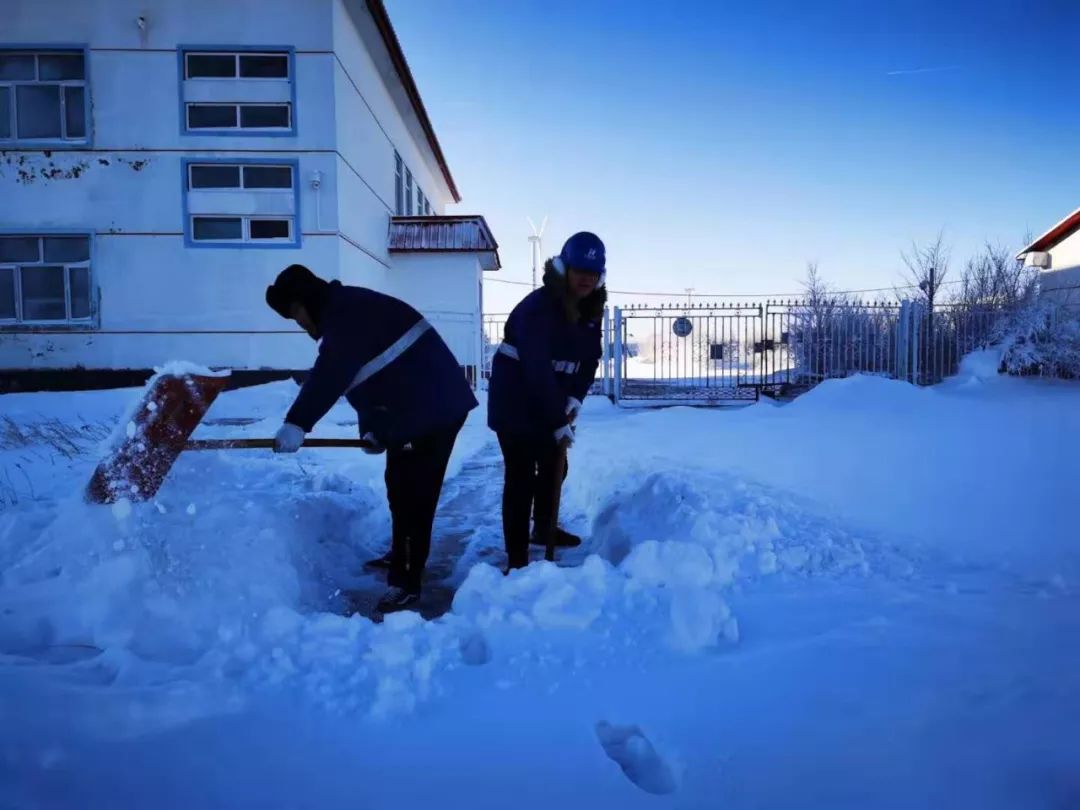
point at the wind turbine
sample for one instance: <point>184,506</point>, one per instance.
<point>534,240</point>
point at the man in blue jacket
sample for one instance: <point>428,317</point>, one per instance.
<point>410,395</point>
<point>540,375</point>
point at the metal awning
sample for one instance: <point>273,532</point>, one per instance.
<point>444,234</point>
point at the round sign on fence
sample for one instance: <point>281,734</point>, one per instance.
<point>682,327</point>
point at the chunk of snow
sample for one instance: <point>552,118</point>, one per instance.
<point>981,365</point>
<point>122,509</point>
<point>631,749</point>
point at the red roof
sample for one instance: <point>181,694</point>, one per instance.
<point>1060,232</point>
<point>397,56</point>
<point>435,234</point>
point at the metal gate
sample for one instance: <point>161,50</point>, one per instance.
<point>687,354</point>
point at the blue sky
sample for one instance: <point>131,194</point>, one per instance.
<point>721,146</point>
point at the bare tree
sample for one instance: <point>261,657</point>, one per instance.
<point>995,279</point>
<point>927,266</point>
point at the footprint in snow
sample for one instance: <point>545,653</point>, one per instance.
<point>631,749</point>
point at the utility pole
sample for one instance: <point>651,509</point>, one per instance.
<point>689,295</point>
<point>929,286</point>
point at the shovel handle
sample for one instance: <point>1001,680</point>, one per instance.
<point>556,497</point>
<point>267,444</point>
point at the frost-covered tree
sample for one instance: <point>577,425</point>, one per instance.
<point>1041,337</point>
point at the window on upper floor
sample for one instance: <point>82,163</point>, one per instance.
<point>45,280</point>
<point>409,198</point>
<point>399,190</point>
<point>241,204</point>
<point>44,96</point>
<point>238,92</point>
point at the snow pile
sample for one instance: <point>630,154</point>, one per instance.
<point>963,471</point>
<point>344,665</point>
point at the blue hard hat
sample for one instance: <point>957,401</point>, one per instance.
<point>584,251</point>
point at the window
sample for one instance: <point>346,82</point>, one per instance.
<point>236,65</point>
<point>408,203</point>
<point>43,96</point>
<point>242,204</point>
<point>399,192</point>
<point>238,92</point>
<point>45,280</point>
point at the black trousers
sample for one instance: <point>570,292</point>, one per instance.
<point>528,487</point>
<point>414,479</point>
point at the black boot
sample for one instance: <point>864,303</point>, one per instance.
<point>563,539</point>
<point>378,563</point>
<point>397,599</point>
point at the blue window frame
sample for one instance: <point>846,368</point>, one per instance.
<point>45,95</point>
<point>237,90</point>
<point>46,279</point>
<point>241,202</point>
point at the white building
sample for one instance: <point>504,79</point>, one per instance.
<point>1057,254</point>
<point>162,160</point>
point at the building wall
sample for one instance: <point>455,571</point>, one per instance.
<point>374,119</point>
<point>112,23</point>
<point>445,287</point>
<point>1062,282</point>
<point>159,300</point>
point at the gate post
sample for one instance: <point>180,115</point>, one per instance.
<point>618,350</point>
<point>916,327</point>
<point>605,356</point>
<point>903,341</point>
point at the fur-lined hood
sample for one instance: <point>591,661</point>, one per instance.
<point>591,307</point>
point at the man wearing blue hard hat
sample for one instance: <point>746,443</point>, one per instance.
<point>539,377</point>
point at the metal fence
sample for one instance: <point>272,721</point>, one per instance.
<point>709,354</point>
<point>491,336</point>
<point>946,333</point>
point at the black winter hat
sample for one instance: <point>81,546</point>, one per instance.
<point>296,284</point>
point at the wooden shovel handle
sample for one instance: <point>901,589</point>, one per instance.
<point>556,498</point>
<point>267,444</point>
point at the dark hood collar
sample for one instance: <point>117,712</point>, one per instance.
<point>591,307</point>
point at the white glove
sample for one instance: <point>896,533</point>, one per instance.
<point>565,435</point>
<point>573,408</point>
<point>375,448</point>
<point>289,438</point>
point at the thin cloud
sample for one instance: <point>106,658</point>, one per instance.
<point>914,71</point>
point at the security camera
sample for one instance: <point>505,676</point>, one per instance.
<point>316,180</point>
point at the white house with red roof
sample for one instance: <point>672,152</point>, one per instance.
<point>161,161</point>
<point>1057,255</point>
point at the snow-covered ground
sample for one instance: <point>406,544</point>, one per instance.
<point>869,597</point>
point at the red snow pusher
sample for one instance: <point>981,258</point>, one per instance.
<point>171,408</point>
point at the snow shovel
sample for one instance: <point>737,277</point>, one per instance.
<point>560,473</point>
<point>159,430</point>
